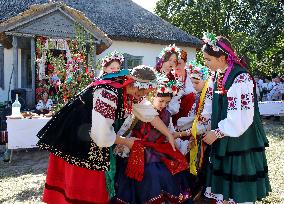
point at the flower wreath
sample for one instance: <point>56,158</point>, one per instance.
<point>211,39</point>
<point>198,71</point>
<point>166,86</point>
<point>112,56</point>
<point>170,49</point>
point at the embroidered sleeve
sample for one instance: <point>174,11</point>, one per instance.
<point>240,109</point>
<point>204,120</point>
<point>103,116</point>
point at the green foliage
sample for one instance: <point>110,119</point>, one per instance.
<point>255,27</point>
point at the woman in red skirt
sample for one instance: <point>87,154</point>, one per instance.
<point>81,166</point>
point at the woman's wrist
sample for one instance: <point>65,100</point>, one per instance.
<point>120,140</point>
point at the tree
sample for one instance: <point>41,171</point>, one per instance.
<point>255,27</point>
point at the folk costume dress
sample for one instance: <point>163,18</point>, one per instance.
<point>153,173</point>
<point>81,165</point>
<point>238,168</point>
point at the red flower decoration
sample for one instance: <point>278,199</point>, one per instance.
<point>174,88</point>
<point>50,67</point>
<point>163,89</point>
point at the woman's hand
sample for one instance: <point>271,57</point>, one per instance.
<point>210,137</point>
<point>177,135</point>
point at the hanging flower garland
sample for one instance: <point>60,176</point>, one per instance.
<point>67,67</point>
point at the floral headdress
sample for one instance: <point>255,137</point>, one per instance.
<point>211,39</point>
<point>166,86</point>
<point>112,56</point>
<point>144,77</point>
<point>198,71</point>
<point>217,45</point>
<point>170,49</point>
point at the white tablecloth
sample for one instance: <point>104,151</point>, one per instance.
<point>271,108</point>
<point>22,132</point>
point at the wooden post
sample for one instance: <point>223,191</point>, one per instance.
<point>33,50</point>
<point>15,61</point>
<point>97,72</point>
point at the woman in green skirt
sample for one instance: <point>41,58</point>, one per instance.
<point>237,168</point>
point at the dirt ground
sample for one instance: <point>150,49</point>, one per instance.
<point>22,180</point>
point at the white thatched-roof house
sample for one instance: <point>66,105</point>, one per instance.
<point>115,25</point>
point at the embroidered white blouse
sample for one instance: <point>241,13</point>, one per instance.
<point>240,109</point>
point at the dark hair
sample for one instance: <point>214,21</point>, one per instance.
<point>143,72</point>
<point>168,55</point>
<point>164,59</point>
<point>164,94</point>
<point>209,49</point>
<point>114,60</point>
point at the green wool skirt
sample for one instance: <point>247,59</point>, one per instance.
<point>238,167</point>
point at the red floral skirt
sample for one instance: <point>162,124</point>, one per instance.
<point>67,183</point>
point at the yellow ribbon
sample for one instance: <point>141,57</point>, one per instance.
<point>194,148</point>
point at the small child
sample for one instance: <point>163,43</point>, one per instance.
<point>111,63</point>
<point>154,172</point>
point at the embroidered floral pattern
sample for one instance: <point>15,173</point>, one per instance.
<point>106,94</point>
<point>220,88</point>
<point>218,133</point>
<point>209,93</point>
<point>232,103</point>
<point>244,77</point>
<point>105,109</point>
<point>246,101</point>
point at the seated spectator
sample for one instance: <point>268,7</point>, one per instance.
<point>277,91</point>
<point>44,105</point>
<point>267,87</point>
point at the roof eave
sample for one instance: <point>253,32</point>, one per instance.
<point>196,44</point>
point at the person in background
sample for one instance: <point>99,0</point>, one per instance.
<point>111,63</point>
<point>44,106</point>
<point>267,86</point>
<point>168,60</point>
<point>277,91</point>
<point>181,104</point>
